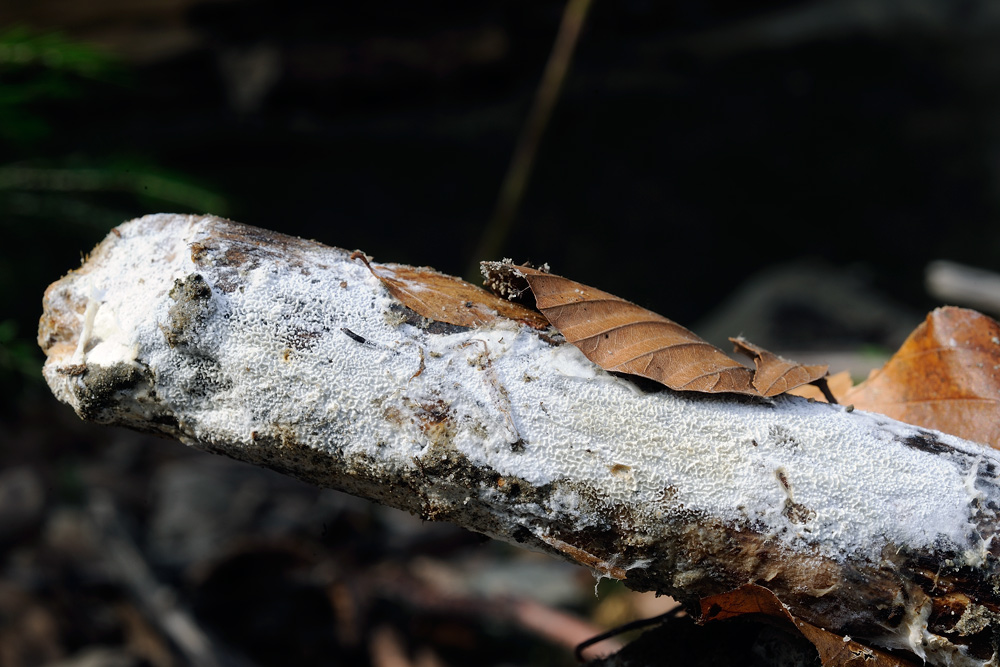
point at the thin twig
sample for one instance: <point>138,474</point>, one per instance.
<point>515,181</point>
<point>625,627</point>
<point>824,387</point>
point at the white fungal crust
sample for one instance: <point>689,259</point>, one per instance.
<point>287,353</point>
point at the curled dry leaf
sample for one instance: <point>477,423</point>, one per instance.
<point>834,650</point>
<point>443,298</point>
<point>946,376</point>
<point>622,337</point>
<point>776,375</point>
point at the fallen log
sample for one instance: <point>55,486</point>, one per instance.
<point>289,354</point>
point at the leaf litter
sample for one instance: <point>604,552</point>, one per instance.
<point>945,376</point>
<point>443,298</point>
<point>834,650</point>
<point>775,374</point>
<point>623,337</point>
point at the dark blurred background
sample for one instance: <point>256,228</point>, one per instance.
<point>782,169</point>
<point>694,144</point>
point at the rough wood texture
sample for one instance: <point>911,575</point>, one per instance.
<point>287,354</point>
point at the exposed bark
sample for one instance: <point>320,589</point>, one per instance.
<point>287,354</point>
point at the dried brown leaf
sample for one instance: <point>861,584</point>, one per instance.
<point>834,650</point>
<point>946,376</point>
<point>443,298</point>
<point>623,337</point>
<point>776,375</point>
<point>620,336</point>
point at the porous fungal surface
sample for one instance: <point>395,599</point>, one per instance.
<point>288,353</point>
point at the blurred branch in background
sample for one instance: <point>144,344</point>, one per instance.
<point>962,285</point>
<point>158,601</point>
<point>817,20</point>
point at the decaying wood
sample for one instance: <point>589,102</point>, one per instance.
<point>288,354</point>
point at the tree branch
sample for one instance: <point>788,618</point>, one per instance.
<point>287,354</point>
